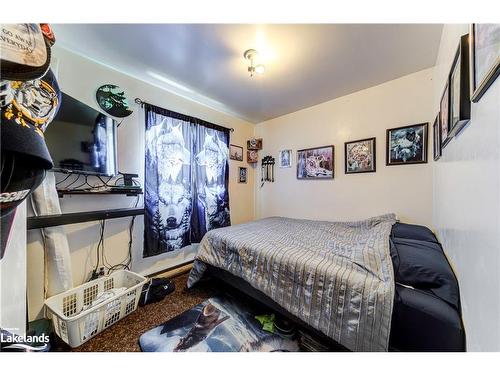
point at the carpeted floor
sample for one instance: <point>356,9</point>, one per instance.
<point>124,335</point>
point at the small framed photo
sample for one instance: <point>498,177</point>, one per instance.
<point>407,145</point>
<point>242,175</point>
<point>252,156</point>
<point>444,116</point>
<point>484,57</point>
<point>254,144</point>
<point>360,156</point>
<point>315,163</point>
<point>236,152</point>
<point>459,88</point>
<point>285,159</point>
<point>436,133</point>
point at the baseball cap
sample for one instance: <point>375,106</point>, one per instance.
<point>25,51</point>
<point>23,121</point>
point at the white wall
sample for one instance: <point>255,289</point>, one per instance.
<point>405,190</point>
<point>80,77</point>
<point>466,212</point>
<point>13,276</point>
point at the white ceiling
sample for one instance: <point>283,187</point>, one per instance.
<point>305,64</point>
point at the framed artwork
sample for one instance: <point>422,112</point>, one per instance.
<point>252,156</point>
<point>407,145</point>
<point>254,144</point>
<point>315,163</point>
<point>236,152</point>
<point>459,114</point>
<point>285,159</point>
<point>436,130</point>
<point>484,58</point>
<point>360,156</point>
<point>242,175</point>
<point>444,114</point>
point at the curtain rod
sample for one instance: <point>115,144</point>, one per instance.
<point>141,103</point>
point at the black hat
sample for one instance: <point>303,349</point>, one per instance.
<point>25,51</point>
<point>19,178</point>
<point>34,105</point>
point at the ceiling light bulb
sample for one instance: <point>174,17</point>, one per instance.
<point>259,69</point>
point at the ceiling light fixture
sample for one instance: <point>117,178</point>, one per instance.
<point>251,55</point>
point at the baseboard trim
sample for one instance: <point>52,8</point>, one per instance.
<point>174,271</point>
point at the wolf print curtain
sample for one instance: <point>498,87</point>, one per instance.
<point>186,180</point>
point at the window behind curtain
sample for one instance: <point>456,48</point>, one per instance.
<point>186,180</point>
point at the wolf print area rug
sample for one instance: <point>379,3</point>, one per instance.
<point>219,324</point>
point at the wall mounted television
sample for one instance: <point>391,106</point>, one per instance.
<point>82,140</point>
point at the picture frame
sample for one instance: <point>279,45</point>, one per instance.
<point>436,140</point>
<point>254,144</point>
<point>252,156</point>
<point>316,163</point>
<point>444,116</point>
<point>484,54</point>
<point>285,159</point>
<point>407,144</point>
<point>459,88</point>
<point>360,156</point>
<point>242,175</point>
<point>235,152</point>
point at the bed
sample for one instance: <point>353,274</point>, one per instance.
<point>371,285</point>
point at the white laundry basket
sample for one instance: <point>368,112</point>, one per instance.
<point>78,315</point>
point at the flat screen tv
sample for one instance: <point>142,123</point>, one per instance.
<point>82,140</point>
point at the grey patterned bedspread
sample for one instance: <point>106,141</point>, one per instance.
<point>335,276</point>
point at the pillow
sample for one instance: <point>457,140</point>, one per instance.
<point>416,232</point>
<point>423,265</point>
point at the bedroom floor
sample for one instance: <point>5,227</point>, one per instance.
<point>124,335</point>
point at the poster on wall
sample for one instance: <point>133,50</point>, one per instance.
<point>407,145</point>
<point>315,163</point>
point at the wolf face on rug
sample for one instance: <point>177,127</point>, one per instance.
<point>220,324</point>
<point>186,183</point>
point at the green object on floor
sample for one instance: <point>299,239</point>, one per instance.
<point>267,322</point>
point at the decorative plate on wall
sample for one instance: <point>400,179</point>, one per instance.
<point>112,100</point>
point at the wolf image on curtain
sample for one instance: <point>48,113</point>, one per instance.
<point>186,191</point>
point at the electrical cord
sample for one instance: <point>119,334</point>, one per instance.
<point>95,272</point>
<point>127,262</point>
<point>101,251</point>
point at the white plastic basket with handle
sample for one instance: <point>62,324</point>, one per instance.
<point>82,312</point>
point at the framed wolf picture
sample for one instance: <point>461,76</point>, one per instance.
<point>407,144</point>
<point>315,163</point>
<point>360,156</point>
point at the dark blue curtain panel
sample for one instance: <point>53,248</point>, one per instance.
<point>186,180</point>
